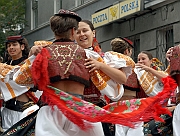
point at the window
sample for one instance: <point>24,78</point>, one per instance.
<point>34,15</point>
<point>81,2</point>
<point>57,5</point>
<point>136,50</point>
<point>147,1</point>
<point>78,2</point>
<point>164,40</point>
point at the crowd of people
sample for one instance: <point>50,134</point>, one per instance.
<point>86,91</point>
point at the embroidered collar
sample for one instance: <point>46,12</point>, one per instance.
<point>90,48</point>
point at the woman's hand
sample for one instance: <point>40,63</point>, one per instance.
<point>171,108</point>
<point>92,64</point>
<point>169,53</point>
<point>142,67</point>
<point>115,74</point>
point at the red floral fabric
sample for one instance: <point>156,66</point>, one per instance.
<point>126,112</point>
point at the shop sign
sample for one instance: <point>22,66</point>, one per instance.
<point>114,12</point>
<point>117,11</point>
<point>129,7</point>
<point>100,18</point>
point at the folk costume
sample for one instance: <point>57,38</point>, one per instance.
<point>132,84</point>
<point>148,86</point>
<point>144,83</point>
<point>102,98</point>
<point>175,70</point>
<point>47,67</point>
<point>91,93</point>
<point>131,87</point>
<point>12,108</point>
<point>152,86</point>
<point>68,114</point>
<point>149,83</point>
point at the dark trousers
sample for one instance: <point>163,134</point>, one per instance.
<point>108,128</point>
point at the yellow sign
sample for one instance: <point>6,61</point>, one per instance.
<point>100,18</point>
<point>120,10</point>
<point>114,12</point>
<point>129,7</point>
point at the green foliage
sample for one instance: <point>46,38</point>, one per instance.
<point>2,39</point>
<point>12,19</point>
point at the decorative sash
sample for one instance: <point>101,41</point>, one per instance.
<point>149,83</point>
<point>9,88</point>
<point>126,113</point>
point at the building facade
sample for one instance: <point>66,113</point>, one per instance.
<point>152,25</point>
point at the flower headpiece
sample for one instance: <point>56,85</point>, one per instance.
<point>156,64</point>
